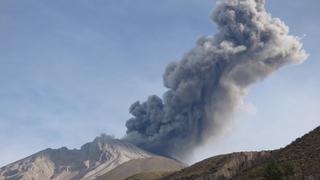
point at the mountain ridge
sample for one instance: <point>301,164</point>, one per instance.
<point>106,158</point>
<point>92,159</point>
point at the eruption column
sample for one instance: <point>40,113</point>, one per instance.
<point>207,84</point>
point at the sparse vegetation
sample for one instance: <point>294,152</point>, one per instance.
<point>276,171</point>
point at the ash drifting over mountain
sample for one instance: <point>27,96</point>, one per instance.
<point>207,84</point>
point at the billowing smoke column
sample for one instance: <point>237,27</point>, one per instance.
<point>207,84</point>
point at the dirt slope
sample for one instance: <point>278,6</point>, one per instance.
<point>151,164</point>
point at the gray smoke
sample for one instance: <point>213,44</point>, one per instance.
<point>207,84</point>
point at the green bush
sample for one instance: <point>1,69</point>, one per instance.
<point>275,171</point>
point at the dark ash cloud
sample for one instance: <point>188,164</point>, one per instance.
<point>207,84</point>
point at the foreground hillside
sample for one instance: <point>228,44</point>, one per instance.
<point>299,160</point>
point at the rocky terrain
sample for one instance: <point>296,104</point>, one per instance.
<point>92,160</point>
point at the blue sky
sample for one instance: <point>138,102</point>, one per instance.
<point>69,70</point>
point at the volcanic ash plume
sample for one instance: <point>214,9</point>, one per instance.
<point>207,84</point>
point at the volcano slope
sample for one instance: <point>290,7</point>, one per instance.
<point>91,161</point>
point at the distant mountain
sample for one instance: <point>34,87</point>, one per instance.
<point>298,161</point>
<point>93,159</point>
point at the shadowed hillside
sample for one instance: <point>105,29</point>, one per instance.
<point>299,160</point>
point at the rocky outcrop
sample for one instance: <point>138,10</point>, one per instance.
<point>221,167</point>
<point>238,162</point>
